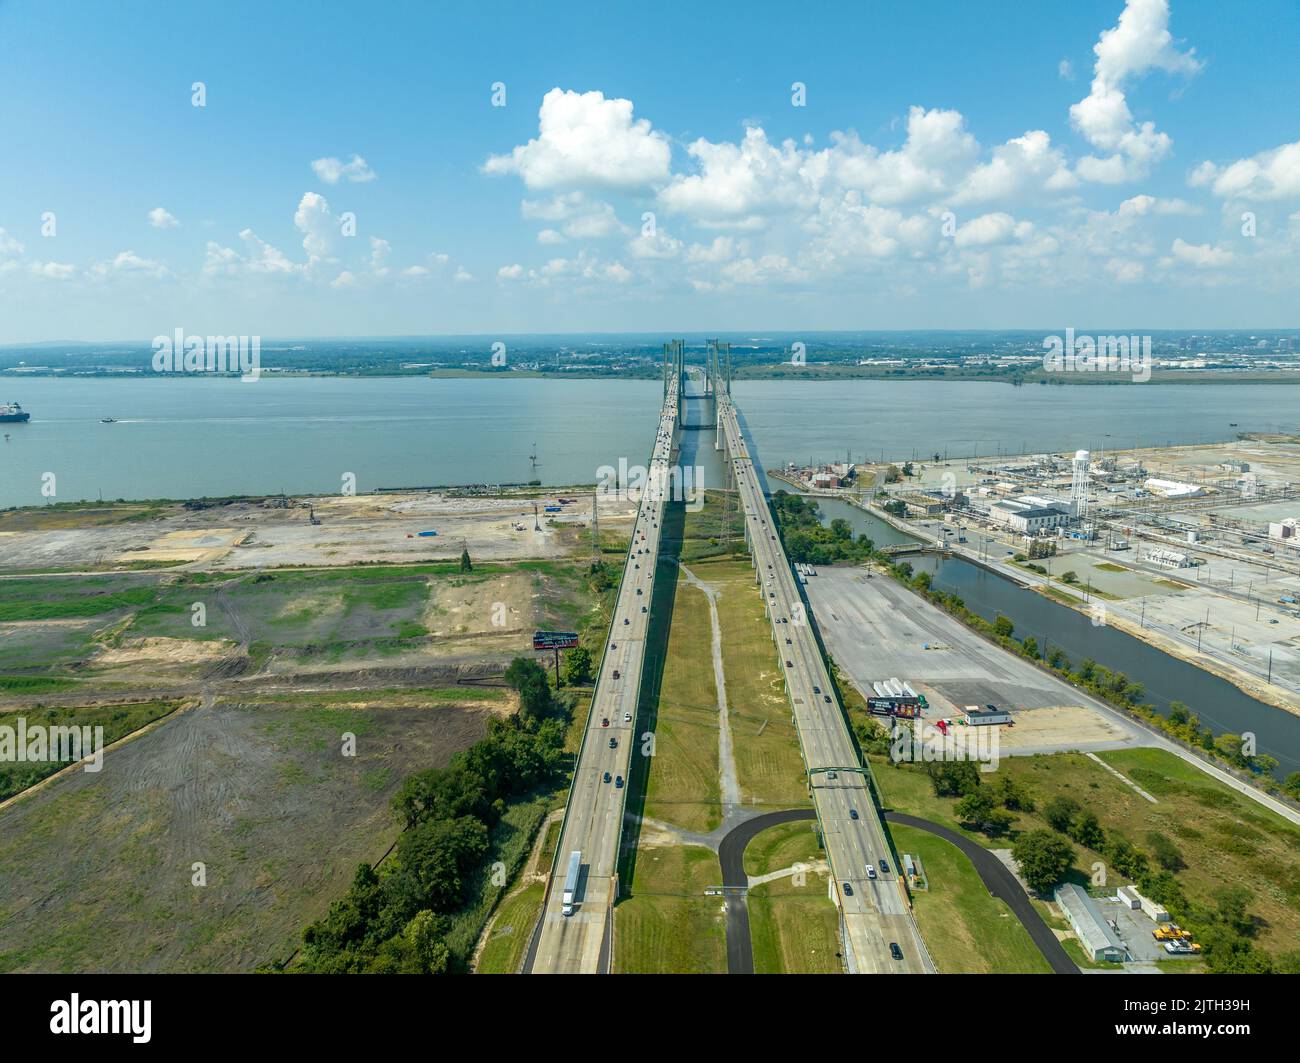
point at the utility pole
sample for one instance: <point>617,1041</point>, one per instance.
<point>595,530</point>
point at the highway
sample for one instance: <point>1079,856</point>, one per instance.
<point>874,910</point>
<point>577,943</point>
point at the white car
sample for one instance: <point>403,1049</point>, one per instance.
<point>871,871</point>
<point>627,717</point>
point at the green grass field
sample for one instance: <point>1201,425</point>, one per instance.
<point>683,787</point>
<point>966,930</point>
<point>768,762</point>
<point>793,924</point>
<point>507,941</point>
<point>668,926</point>
<point>1224,838</point>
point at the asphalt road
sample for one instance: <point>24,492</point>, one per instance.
<point>874,907</point>
<point>731,854</point>
<point>579,943</point>
<point>1001,883</point>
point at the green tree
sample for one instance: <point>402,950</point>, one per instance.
<point>465,565</point>
<point>1060,812</point>
<point>528,679</point>
<point>1086,830</point>
<point>1011,795</point>
<point>953,778</point>
<point>1003,626</point>
<point>577,666</point>
<point>1043,858</point>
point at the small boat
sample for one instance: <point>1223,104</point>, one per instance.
<point>108,420</point>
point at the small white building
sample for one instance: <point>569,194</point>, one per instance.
<point>1285,531</point>
<point>1099,941</point>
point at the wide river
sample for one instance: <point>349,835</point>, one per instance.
<point>185,438</point>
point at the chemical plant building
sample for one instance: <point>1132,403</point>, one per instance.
<point>1285,531</point>
<point>1099,941</point>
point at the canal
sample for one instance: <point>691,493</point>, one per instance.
<point>1164,678</point>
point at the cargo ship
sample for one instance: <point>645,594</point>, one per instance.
<point>11,413</point>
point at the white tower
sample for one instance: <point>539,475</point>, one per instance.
<point>1079,484</point>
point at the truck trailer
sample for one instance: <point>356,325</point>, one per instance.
<point>571,882</point>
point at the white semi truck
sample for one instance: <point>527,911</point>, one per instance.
<point>571,882</point>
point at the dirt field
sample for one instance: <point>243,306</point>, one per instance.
<point>279,532</point>
<point>98,868</point>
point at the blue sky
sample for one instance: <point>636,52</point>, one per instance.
<point>953,165</point>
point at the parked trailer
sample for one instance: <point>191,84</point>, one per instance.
<point>571,882</point>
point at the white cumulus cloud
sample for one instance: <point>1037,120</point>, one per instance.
<point>585,139</point>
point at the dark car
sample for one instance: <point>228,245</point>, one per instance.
<point>604,721</point>
<point>895,951</point>
<point>884,865</point>
<point>607,776</point>
<point>816,689</point>
<point>853,813</point>
<point>848,889</point>
<point>613,742</point>
<point>789,664</point>
<point>618,781</point>
<point>826,698</point>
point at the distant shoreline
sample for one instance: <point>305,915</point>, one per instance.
<point>782,371</point>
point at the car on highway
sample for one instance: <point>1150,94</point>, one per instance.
<point>853,814</point>
<point>618,782</point>
<point>895,951</point>
<point>627,717</point>
<point>788,642</point>
<point>816,689</point>
<point>884,866</point>
<point>789,664</point>
<point>826,698</point>
<point>607,776</point>
<point>831,775</point>
<point>613,742</point>
<point>643,608</point>
<point>615,673</point>
<point>626,620</point>
<point>848,889</point>
<point>604,721</point>
<point>871,871</point>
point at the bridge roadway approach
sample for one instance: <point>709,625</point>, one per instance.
<point>874,911</point>
<point>593,820</point>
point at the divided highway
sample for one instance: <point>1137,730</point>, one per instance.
<point>579,943</point>
<point>874,910</point>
